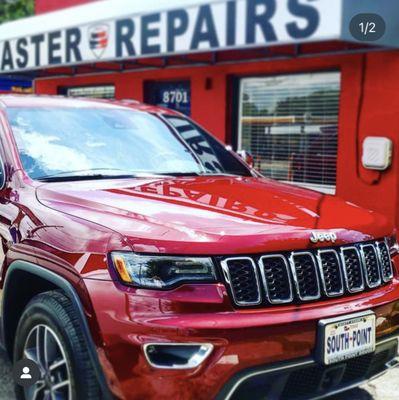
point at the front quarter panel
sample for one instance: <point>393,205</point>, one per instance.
<point>64,242</point>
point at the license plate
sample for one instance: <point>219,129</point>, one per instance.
<point>346,337</point>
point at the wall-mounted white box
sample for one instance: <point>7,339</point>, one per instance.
<point>377,153</point>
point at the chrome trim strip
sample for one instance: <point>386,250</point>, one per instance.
<point>323,280</point>
<point>226,272</point>
<point>316,255</point>
<point>197,359</point>
<point>304,363</point>
<point>295,277</point>
<point>342,251</point>
<point>263,275</point>
<point>378,283</point>
<point>377,245</point>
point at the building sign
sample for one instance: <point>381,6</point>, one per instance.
<point>175,95</point>
<point>93,91</point>
<point>210,25</point>
<point>11,85</point>
<point>22,90</point>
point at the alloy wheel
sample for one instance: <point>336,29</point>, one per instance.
<point>44,348</point>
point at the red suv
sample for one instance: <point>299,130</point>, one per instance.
<point>142,259</point>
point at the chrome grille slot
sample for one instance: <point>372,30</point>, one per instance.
<point>330,271</point>
<point>304,270</point>
<point>353,269</point>
<point>301,276</point>
<point>276,279</point>
<point>371,265</point>
<point>241,274</point>
<point>385,261</point>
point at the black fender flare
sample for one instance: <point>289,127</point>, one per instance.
<point>69,291</point>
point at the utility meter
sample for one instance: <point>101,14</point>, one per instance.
<point>377,153</point>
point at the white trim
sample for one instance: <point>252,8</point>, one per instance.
<point>93,12</point>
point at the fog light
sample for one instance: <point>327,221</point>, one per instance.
<point>176,355</point>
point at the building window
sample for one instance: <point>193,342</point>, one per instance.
<point>98,92</point>
<point>170,94</point>
<point>289,123</point>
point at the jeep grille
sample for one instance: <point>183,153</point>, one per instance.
<point>302,276</point>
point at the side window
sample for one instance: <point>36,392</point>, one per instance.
<point>213,155</point>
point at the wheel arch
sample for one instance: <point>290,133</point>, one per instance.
<point>42,280</point>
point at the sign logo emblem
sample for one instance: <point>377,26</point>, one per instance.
<point>98,39</point>
<point>316,237</point>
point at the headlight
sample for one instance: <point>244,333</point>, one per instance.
<point>162,272</point>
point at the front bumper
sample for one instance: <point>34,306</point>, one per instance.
<point>242,340</point>
<point>306,379</point>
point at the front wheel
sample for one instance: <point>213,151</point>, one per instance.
<point>49,334</point>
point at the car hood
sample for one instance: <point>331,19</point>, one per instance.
<point>212,215</point>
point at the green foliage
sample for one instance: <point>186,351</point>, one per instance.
<point>14,9</point>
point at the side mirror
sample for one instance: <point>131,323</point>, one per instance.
<point>247,157</point>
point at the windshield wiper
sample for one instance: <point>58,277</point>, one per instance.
<point>177,174</point>
<point>87,172</point>
<point>71,178</point>
<point>195,174</point>
<point>173,174</point>
<point>93,174</point>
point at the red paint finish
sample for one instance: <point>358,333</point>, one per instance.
<point>368,106</point>
<point>273,335</point>
<point>212,215</point>
<point>43,6</point>
<point>70,229</point>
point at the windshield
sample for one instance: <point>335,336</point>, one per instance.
<point>68,142</point>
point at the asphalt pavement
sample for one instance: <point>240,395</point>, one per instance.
<point>383,388</point>
<point>6,382</point>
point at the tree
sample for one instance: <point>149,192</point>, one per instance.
<point>14,9</point>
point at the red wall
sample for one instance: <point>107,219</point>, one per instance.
<point>42,6</point>
<point>369,108</point>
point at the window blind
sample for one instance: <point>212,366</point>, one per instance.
<point>99,92</point>
<point>289,123</point>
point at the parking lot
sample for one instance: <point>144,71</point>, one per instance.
<point>384,388</point>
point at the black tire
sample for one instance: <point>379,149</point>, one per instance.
<point>53,312</point>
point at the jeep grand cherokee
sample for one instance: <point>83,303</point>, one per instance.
<point>142,259</point>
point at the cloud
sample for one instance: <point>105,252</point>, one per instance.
<point>51,155</point>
